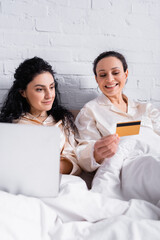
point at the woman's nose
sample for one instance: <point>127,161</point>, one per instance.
<point>109,78</point>
<point>48,94</point>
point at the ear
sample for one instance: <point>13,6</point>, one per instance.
<point>96,78</point>
<point>23,93</point>
<point>126,73</point>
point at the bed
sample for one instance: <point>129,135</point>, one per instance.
<point>123,201</point>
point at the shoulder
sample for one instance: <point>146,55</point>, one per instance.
<point>86,110</point>
<point>136,103</point>
<point>93,102</point>
<point>145,108</point>
<point>87,113</point>
<point>21,120</point>
<point>143,105</point>
<point>95,107</point>
<point>89,106</point>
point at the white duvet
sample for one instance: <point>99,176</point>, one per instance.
<point>123,203</point>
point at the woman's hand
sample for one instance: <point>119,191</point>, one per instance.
<point>105,147</point>
<point>65,166</point>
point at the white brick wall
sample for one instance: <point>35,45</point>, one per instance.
<point>71,33</point>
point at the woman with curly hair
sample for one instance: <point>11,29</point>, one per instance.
<point>34,99</point>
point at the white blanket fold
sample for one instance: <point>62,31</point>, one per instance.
<point>122,204</point>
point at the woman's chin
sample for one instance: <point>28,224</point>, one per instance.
<point>112,93</point>
<point>47,108</point>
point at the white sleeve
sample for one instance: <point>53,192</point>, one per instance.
<point>88,135</point>
<point>154,115</point>
<point>68,146</point>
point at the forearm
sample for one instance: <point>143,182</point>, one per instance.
<point>65,166</point>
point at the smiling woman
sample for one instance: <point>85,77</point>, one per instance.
<point>97,120</point>
<point>34,99</point>
<point>111,78</point>
<point>40,94</point>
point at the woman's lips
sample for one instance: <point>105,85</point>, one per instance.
<point>47,102</point>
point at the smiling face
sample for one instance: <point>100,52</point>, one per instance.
<point>111,77</point>
<point>40,93</point>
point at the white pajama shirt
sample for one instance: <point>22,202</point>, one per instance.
<point>99,117</point>
<point>67,142</point>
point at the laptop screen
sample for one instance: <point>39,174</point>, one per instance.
<point>30,159</point>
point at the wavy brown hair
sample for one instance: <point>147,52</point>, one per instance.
<point>15,105</point>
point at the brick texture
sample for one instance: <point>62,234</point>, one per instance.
<point>71,33</point>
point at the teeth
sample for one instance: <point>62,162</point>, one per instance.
<point>111,86</point>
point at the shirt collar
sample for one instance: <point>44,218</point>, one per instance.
<point>104,100</point>
<point>48,120</point>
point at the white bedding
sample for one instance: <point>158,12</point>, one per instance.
<point>122,204</point>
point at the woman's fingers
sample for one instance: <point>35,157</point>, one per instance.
<point>106,141</point>
<point>105,147</point>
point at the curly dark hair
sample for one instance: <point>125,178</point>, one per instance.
<point>110,54</point>
<point>15,104</point>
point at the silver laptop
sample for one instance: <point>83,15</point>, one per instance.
<point>29,159</point>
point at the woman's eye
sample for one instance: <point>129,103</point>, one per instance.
<point>115,73</point>
<point>39,89</point>
<point>53,87</point>
<point>103,75</point>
